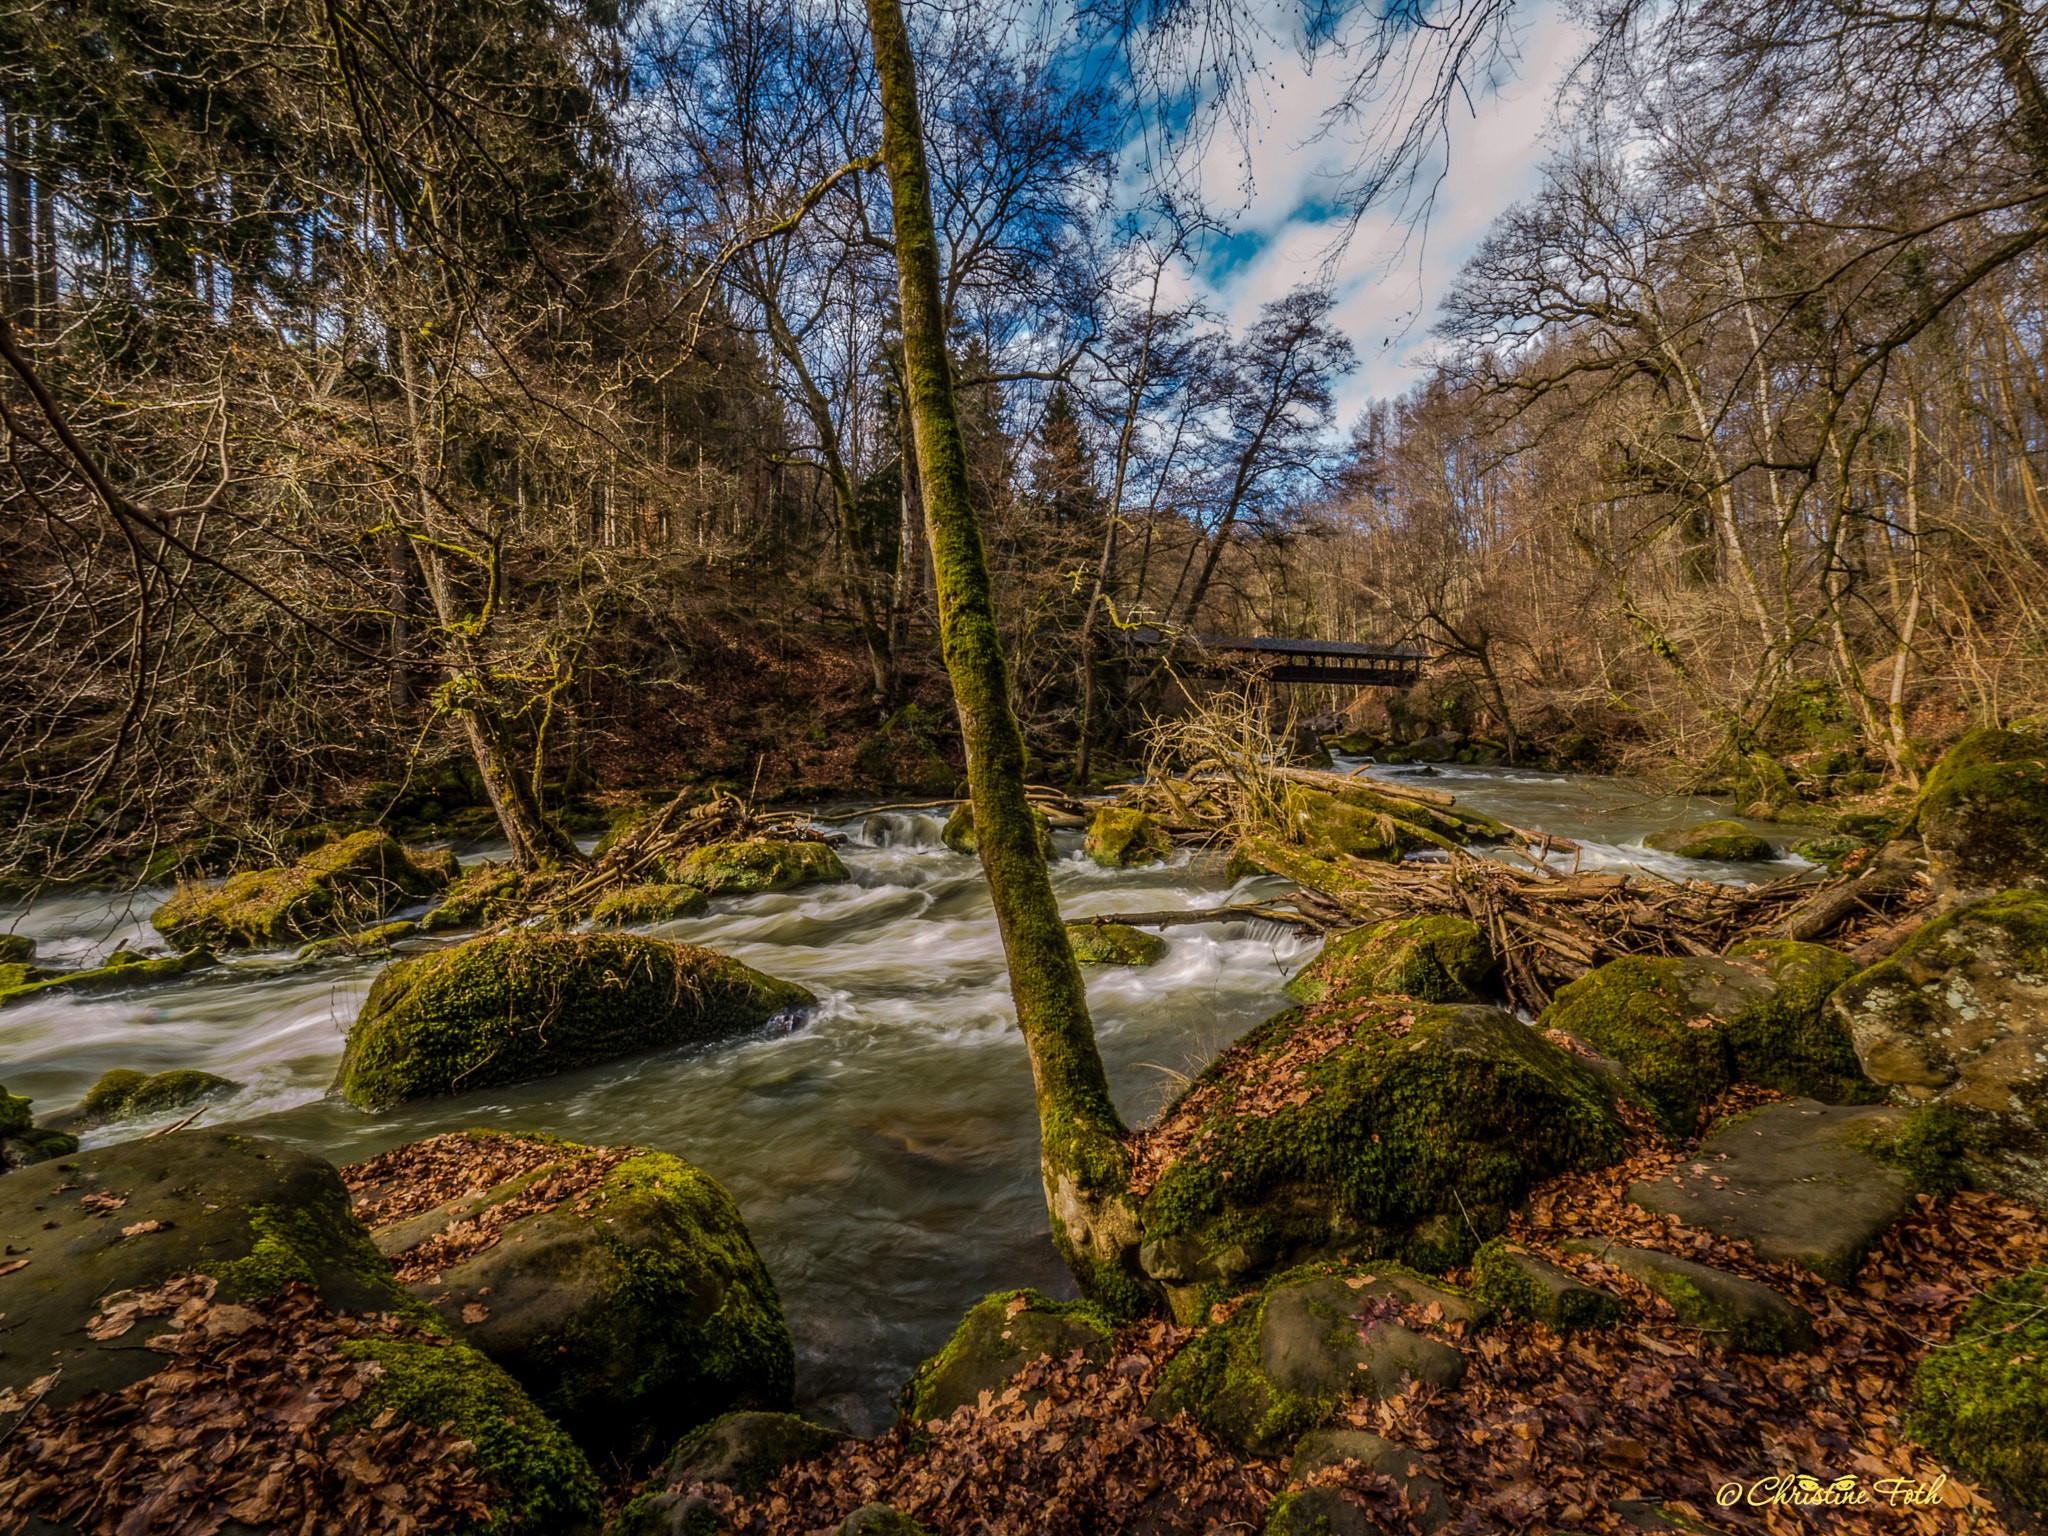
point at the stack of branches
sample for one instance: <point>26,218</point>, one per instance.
<point>1549,928</point>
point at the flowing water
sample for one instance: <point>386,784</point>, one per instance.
<point>884,1153</point>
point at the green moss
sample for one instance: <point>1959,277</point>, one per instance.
<point>958,833</point>
<point>1729,841</point>
<point>356,879</point>
<point>16,1113</point>
<point>121,973</point>
<point>487,894</point>
<point>1436,959</point>
<point>1983,812</point>
<point>1654,1017</point>
<point>743,868</point>
<point>1932,1146</point>
<point>542,1482</point>
<point>1114,944</point>
<point>1506,1285</point>
<point>47,1144</point>
<point>363,941</point>
<point>648,904</point>
<point>122,1094</point>
<point>16,949</point>
<point>999,1336</point>
<point>1118,839</point>
<point>1414,1137</point>
<point>523,1005</point>
<point>1983,1397</point>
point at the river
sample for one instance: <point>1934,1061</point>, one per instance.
<point>884,1153</point>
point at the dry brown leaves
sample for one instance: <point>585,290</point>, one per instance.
<point>1257,1081</point>
<point>410,1180</point>
<point>238,1425</point>
<point>1065,1450</point>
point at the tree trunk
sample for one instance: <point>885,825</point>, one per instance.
<point>21,280</point>
<point>1082,1156</point>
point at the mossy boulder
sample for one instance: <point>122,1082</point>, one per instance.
<point>1728,841</point>
<point>125,1094</point>
<point>1958,1016</point>
<point>1119,838</point>
<point>258,1216</point>
<point>487,894</point>
<point>1982,1398</point>
<point>648,904</point>
<point>1511,1279</point>
<point>999,1336</point>
<point>1114,944</point>
<point>375,939</point>
<point>746,1450</point>
<point>630,1303</point>
<point>22,1142</point>
<point>1435,959</point>
<point>16,949</point>
<point>1364,824</point>
<point>1288,1357</point>
<point>1983,815</point>
<point>122,972</point>
<point>958,832</point>
<point>523,1005</point>
<point>344,884</point>
<point>1687,1028</point>
<point>1734,1311</point>
<point>1386,1128</point>
<point>746,868</point>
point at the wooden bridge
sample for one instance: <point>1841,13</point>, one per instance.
<point>1346,663</point>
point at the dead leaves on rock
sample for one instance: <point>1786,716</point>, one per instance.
<point>406,1182</point>
<point>242,1423</point>
<point>1064,1450</point>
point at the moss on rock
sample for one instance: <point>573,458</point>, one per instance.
<point>744,868</point>
<point>523,1005</point>
<point>1436,959</point>
<point>1119,838</point>
<point>1000,1335</point>
<point>648,904</point>
<point>1983,1396</point>
<point>1512,1280</point>
<point>16,949</point>
<point>1983,814</point>
<point>632,1312</point>
<point>123,1094</point>
<point>359,878</point>
<point>257,1216</point>
<point>958,833</point>
<point>487,894</point>
<point>1114,944</point>
<point>364,941</point>
<point>1686,1029</point>
<point>121,972</point>
<point>1729,841</point>
<point>1405,1131</point>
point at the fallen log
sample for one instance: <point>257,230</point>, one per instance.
<point>1243,912</point>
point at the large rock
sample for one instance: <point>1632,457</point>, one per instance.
<point>1115,944</point>
<point>524,1005</point>
<point>1287,1357</point>
<point>1797,1182</point>
<point>22,1142</point>
<point>1388,1129</point>
<point>1365,824</point>
<point>123,972</point>
<point>1437,959</point>
<point>999,1336</point>
<point>1324,1511</point>
<point>1119,838</point>
<point>1729,841</point>
<point>617,1285</point>
<point>98,1238</point>
<point>1983,815</point>
<point>959,835</point>
<point>347,883</point>
<point>741,869</point>
<point>1740,1313</point>
<point>1686,1029</point>
<point>1983,1396</point>
<point>1509,1278</point>
<point>1959,1016</point>
<point>648,904</point>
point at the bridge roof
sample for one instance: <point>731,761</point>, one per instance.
<point>1283,647</point>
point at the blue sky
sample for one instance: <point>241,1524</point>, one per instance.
<point>1392,275</point>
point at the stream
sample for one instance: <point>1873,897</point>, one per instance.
<point>884,1153</point>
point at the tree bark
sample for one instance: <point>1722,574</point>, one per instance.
<point>1082,1157</point>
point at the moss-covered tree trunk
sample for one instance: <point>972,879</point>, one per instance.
<point>1081,1155</point>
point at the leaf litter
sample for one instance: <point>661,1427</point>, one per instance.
<point>242,1424</point>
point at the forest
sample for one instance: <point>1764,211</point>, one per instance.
<point>646,887</point>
